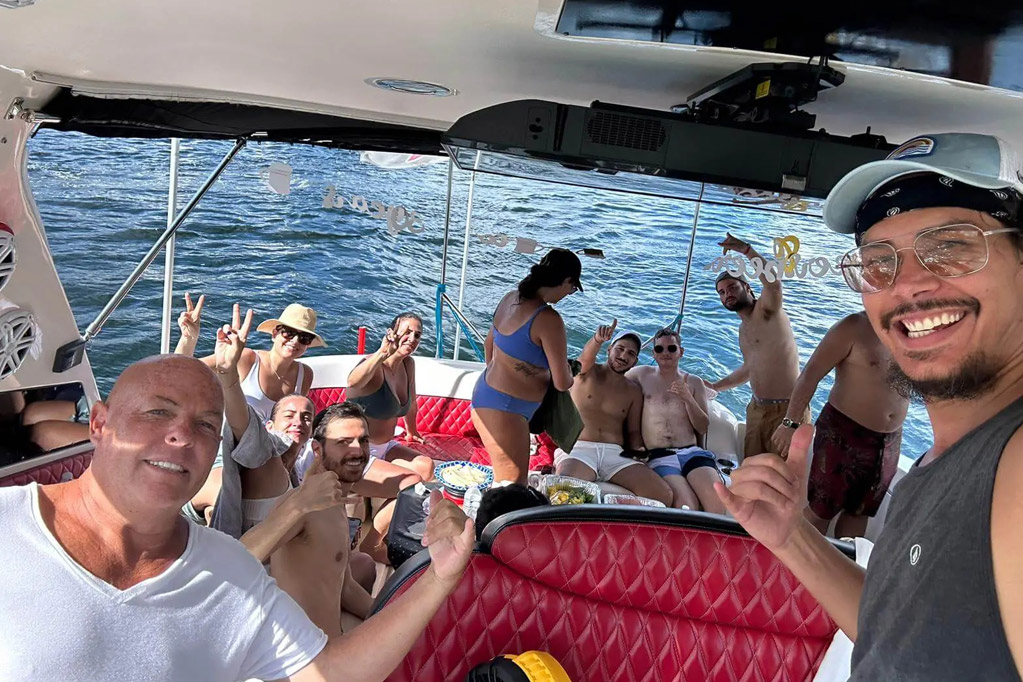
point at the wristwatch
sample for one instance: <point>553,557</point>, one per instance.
<point>788,423</point>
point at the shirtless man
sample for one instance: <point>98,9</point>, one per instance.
<point>859,431</point>
<point>611,407</point>
<point>309,552</point>
<point>675,412</point>
<point>770,362</point>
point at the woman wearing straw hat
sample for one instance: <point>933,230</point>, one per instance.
<point>266,376</point>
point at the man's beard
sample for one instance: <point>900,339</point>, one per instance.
<point>344,474</point>
<point>972,378</point>
<point>614,368</point>
<point>741,303</point>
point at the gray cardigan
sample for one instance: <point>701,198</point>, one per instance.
<point>254,449</point>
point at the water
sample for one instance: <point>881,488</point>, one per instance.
<point>103,203</point>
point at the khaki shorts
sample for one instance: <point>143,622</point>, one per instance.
<point>762,418</point>
<point>605,459</point>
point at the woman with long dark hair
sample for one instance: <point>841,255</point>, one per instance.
<point>526,351</point>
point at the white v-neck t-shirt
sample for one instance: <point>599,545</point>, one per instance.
<point>213,616</point>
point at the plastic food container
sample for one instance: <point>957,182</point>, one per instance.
<point>567,490</point>
<point>631,500</point>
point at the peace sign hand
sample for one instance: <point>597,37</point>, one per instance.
<point>231,341</point>
<point>190,318</point>
<point>389,344</point>
<point>605,331</point>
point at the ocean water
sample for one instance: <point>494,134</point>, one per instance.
<point>104,202</point>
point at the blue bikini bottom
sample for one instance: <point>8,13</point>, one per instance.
<point>486,397</point>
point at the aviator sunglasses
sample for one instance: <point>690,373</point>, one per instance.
<point>305,338</point>
<point>946,251</point>
<point>660,349</point>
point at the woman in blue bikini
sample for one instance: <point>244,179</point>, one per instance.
<point>526,350</point>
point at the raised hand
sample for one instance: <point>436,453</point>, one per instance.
<point>606,331</point>
<point>231,341</point>
<point>389,344</point>
<point>768,493</point>
<point>730,243</point>
<point>681,389</point>
<point>191,317</point>
<point>321,489</point>
<point>450,537</point>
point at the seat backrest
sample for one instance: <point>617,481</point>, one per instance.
<point>435,414</point>
<point>50,470</point>
<point>637,595</point>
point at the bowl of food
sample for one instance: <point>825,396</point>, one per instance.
<point>631,500</point>
<point>457,477</point>
<point>567,490</point>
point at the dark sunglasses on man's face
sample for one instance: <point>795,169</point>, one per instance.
<point>305,338</point>
<point>660,349</point>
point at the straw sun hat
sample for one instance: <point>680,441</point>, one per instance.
<point>297,317</point>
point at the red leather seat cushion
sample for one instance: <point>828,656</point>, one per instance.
<point>54,472</point>
<point>626,601</point>
<point>445,422</point>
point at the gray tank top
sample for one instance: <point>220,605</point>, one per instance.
<point>929,611</point>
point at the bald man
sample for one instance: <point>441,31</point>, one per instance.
<point>104,580</point>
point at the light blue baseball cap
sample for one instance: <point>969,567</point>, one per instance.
<point>983,161</point>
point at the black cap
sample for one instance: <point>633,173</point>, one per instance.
<point>564,263</point>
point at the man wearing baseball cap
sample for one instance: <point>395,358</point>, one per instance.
<point>770,362</point>
<point>611,407</point>
<point>939,263</point>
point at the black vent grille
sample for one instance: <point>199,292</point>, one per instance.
<point>619,130</point>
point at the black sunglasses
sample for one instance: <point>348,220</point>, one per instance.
<point>305,338</point>
<point>660,349</point>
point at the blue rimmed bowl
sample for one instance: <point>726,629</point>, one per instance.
<point>459,490</point>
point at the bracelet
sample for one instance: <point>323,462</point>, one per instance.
<point>227,371</point>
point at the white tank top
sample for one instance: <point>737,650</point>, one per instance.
<point>254,395</point>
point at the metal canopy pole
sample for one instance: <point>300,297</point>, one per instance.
<point>465,251</point>
<point>111,306</point>
<point>168,263</point>
<point>689,263</point>
<point>442,287</point>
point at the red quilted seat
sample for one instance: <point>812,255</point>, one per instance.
<point>445,422</point>
<point>54,472</point>
<point>622,594</point>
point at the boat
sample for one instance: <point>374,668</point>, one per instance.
<point>683,100</point>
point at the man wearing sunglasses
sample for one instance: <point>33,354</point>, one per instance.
<point>676,414</point>
<point>770,362</point>
<point>939,264</point>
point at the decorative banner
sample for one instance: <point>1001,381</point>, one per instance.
<point>522,244</point>
<point>395,161</point>
<point>789,202</point>
<point>785,250</point>
<point>398,218</point>
<point>786,263</point>
<point>277,177</point>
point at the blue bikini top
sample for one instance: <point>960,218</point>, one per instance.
<point>520,346</point>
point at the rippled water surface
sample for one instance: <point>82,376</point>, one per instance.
<point>104,202</point>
